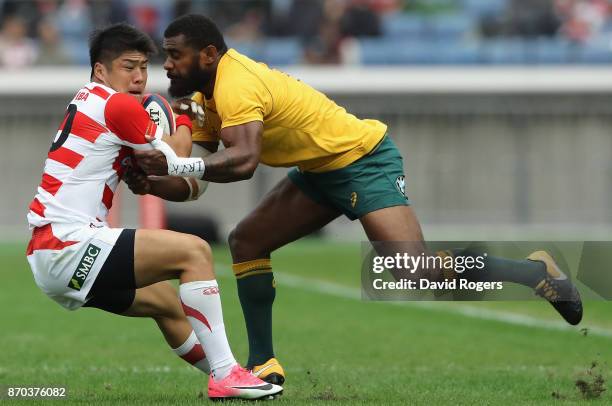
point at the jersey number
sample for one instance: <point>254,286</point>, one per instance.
<point>68,119</point>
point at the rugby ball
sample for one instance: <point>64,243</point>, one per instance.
<point>160,112</point>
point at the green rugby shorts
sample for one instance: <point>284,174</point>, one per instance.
<point>373,182</point>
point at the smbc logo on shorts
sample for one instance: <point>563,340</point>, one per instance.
<point>85,265</point>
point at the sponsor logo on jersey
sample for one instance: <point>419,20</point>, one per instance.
<point>82,96</point>
<point>353,199</point>
<point>211,291</point>
<point>400,183</point>
<point>89,258</point>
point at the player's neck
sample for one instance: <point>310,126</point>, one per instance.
<point>98,81</point>
<point>209,89</point>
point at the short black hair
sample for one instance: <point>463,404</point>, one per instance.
<point>108,43</point>
<point>199,31</point>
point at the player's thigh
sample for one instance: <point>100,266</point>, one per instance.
<point>157,300</point>
<point>396,231</point>
<point>284,215</point>
<point>397,223</point>
<point>161,255</point>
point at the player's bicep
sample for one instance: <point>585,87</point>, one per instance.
<point>245,136</point>
<point>126,117</point>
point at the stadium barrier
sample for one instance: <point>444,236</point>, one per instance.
<point>525,147</point>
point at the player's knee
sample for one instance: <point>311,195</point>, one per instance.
<point>232,239</point>
<point>205,250</point>
<point>242,247</point>
<point>198,254</point>
<point>237,243</point>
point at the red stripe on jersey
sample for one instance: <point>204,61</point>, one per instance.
<point>66,157</point>
<point>191,312</point>
<point>86,128</point>
<point>107,197</point>
<point>126,117</point>
<point>98,91</point>
<point>43,239</point>
<point>37,207</point>
<point>50,184</point>
<point>195,355</point>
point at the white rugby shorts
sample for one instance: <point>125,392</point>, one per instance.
<point>67,274</point>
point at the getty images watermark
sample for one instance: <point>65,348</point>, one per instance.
<point>411,266</point>
<point>468,270</point>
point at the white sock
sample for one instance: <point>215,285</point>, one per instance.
<point>192,352</point>
<point>202,306</point>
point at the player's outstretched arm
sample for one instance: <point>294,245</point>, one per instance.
<point>236,162</point>
<point>240,157</point>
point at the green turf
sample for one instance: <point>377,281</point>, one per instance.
<point>336,350</point>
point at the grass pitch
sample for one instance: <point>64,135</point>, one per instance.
<point>334,347</point>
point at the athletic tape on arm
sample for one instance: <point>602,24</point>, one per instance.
<point>189,167</point>
<point>197,151</point>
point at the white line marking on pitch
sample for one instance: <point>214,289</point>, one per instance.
<point>337,290</point>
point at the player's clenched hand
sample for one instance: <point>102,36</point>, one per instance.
<point>137,181</point>
<point>191,108</point>
<point>152,162</point>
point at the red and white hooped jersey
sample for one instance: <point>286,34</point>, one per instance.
<point>91,149</point>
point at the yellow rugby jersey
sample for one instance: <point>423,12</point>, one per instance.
<point>301,126</point>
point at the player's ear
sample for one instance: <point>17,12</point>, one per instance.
<point>99,72</point>
<point>208,55</point>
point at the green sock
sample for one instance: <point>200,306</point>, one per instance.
<point>257,292</point>
<point>525,272</point>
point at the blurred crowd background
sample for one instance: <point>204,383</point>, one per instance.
<point>483,162</point>
<point>370,32</point>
